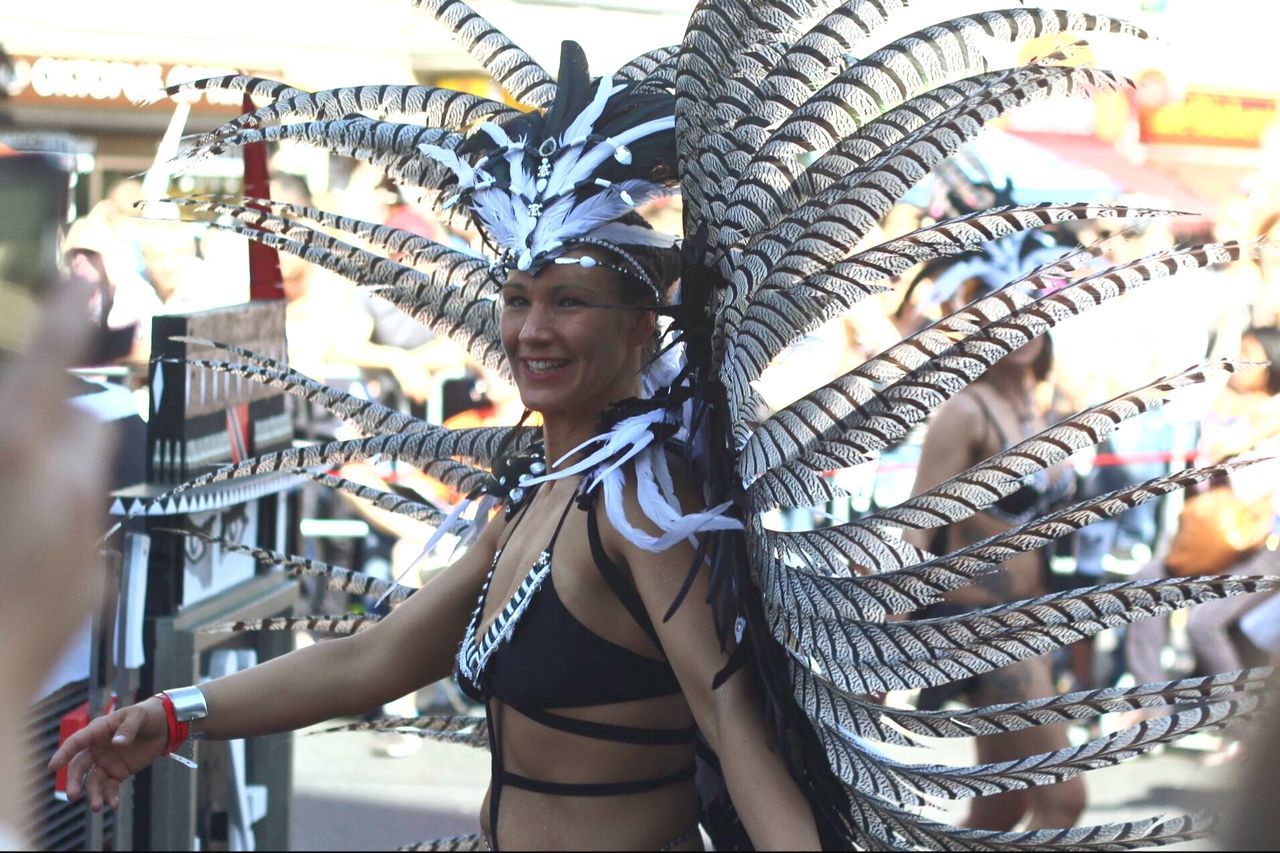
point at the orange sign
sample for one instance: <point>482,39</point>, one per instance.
<point>1208,118</point>
<point>81,82</point>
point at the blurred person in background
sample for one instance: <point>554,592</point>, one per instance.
<point>185,280</point>
<point>317,343</point>
<point>53,460</point>
<point>1224,528</point>
<point>102,249</point>
<point>121,298</point>
<point>996,412</point>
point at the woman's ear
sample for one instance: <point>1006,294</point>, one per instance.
<point>643,326</point>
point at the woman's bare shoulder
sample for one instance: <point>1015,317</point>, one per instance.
<point>961,415</point>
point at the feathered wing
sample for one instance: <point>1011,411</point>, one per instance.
<point>791,151</point>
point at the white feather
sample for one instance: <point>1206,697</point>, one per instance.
<point>585,123</point>
<point>586,165</point>
<point>461,168</point>
<point>632,235</point>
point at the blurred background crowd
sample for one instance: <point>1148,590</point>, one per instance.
<point>1194,136</point>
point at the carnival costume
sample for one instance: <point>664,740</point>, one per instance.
<point>789,134</point>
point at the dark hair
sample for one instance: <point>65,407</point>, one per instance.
<point>1268,337</point>
<point>662,266</point>
<point>1041,367</point>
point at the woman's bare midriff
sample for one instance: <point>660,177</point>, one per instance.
<point>642,821</point>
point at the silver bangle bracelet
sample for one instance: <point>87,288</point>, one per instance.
<point>188,703</point>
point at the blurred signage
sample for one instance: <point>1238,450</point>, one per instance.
<point>79,81</point>
<point>1208,118</point>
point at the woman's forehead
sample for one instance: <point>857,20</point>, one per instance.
<point>553,275</point>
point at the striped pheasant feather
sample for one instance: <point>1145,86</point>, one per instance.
<point>982,485</point>
<point>470,320</point>
<point>816,240</point>
<point>456,267</point>
<point>455,844</point>
<point>370,418</point>
<point>869,657</point>
<point>786,308</point>
<point>775,188</point>
<point>346,624</point>
<point>646,68</point>
<point>853,713</point>
<point>429,105</point>
<point>900,71</point>
<point>929,57</point>
<point>390,146</point>
<point>854,760</point>
<point>479,445</point>
<point>470,731</point>
<point>868,719</point>
<point>881,180</point>
<point>513,69</point>
<point>897,407</point>
<point>908,579</point>
<point>888,824</point>
<point>380,499</point>
<point>343,580</point>
<point>255,87</point>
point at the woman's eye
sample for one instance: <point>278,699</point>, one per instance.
<point>570,302</point>
<point>514,302</point>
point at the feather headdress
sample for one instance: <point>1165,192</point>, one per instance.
<point>792,127</point>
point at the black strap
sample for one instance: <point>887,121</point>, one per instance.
<point>616,578</point>
<point>597,789</point>
<point>991,421</point>
<point>608,731</point>
<point>496,769</point>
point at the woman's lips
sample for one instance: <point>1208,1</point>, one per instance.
<point>544,369</point>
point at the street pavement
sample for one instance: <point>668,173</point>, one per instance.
<point>347,797</point>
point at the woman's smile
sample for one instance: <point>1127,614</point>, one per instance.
<point>544,369</point>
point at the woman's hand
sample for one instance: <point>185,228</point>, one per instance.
<point>110,749</point>
<point>53,466</point>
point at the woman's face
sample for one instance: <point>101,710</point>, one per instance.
<point>570,353</point>
<point>1250,380</point>
<point>1026,355</point>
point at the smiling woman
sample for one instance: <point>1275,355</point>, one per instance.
<point>572,341</point>
<point>626,619</point>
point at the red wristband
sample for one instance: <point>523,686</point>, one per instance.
<point>178,732</point>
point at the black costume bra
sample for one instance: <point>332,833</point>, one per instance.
<point>537,655</point>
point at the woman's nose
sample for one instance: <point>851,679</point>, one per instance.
<point>538,324</point>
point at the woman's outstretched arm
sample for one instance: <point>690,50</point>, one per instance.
<point>411,647</point>
<point>774,811</point>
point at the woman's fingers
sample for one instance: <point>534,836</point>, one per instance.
<point>111,793</point>
<point>80,741</point>
<point>93,786</point>
<point>111,764</point>
<point>77,770</point>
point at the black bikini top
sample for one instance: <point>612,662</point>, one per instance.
<point>537,655</point>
